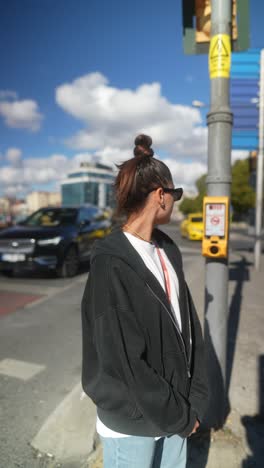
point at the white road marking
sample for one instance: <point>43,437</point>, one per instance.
<point>20,369</point>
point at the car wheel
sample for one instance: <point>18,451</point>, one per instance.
<point>70,264</point>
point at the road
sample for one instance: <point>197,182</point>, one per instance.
<point>40,351</point>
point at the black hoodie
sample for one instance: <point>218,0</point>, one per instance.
<point>146,378</point>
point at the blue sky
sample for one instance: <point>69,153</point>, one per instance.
<point>46,126</point>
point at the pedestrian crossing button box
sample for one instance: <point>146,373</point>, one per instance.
<point>215,216</point>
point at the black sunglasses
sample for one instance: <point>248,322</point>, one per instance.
<point>175,192</point>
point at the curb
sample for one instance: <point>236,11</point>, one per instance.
<point>68,435</point>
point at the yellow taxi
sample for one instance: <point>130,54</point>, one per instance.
<point>192,226</point>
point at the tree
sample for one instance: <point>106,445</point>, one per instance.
<point>187,205</point>
<point>201,185</point>
<point>242,194</point>
<point>195,205</point>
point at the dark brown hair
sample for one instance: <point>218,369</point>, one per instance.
<point>138,176</point>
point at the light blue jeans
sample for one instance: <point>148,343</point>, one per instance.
<point>144,452</point>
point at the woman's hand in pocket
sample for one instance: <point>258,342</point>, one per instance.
<point>196,427</point>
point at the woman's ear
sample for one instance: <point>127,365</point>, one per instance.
<point>160,196</point>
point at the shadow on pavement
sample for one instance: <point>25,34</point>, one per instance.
<point>254,426</point>
<point>199,444</point>
<point>238,272</point>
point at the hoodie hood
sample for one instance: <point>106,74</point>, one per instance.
<point>117,245</point>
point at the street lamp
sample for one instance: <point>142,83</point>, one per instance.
<point>199,104</point>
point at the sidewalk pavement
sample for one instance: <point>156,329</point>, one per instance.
<point>241,442</point>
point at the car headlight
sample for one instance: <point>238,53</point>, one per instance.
<point>52,241</point>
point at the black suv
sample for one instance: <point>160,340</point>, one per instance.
<point>56,239</point>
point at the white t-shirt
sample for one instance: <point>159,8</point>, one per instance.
<point>149,255</point>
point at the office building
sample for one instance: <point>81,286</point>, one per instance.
<point>91,183</point>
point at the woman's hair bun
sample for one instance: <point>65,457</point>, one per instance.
<point>143,146</point>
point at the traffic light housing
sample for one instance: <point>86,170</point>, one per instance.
<point>197,25</point>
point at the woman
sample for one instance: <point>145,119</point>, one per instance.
<point>143,362</point>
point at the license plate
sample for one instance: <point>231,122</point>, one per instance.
<point>13,257</point>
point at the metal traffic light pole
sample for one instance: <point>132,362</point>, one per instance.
<point>259,184</point>
<point>218,182</point>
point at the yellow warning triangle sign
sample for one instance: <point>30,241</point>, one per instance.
<point>219,49</point>
<point>220,56</point>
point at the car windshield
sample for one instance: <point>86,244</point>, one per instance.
<point>49,217</point>
<point>197,219</point>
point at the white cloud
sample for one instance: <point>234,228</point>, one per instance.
<point>21,114</point>
<point>14,190</point>
<point>185,174</point>
<point>113,117</point>
<point>23,175</point>
<point>13,156</point>
<point>30,173</point>
<point>34,173</point>
<point>113,155</point>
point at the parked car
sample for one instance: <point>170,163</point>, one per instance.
<point>192,226</point>
<point>55,239</point>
